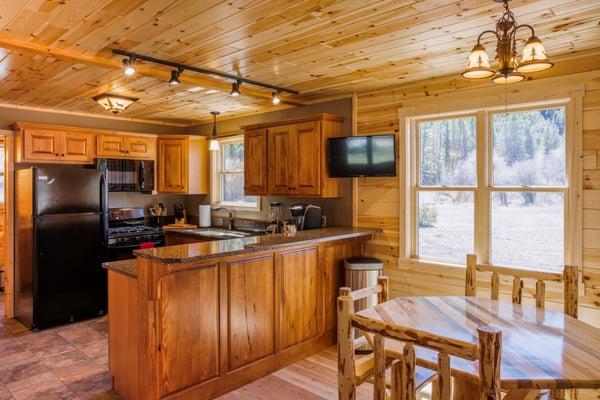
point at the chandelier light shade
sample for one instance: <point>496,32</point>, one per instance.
<point>478,64</point>
<point>214,143</point>
<point>114,103</point>
<point>534,57</point>
<point>508,69</point>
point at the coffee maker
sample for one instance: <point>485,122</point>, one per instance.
<point>306,216</point>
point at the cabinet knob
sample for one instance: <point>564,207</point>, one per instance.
<point>56,154</point>
<point>62,155</point>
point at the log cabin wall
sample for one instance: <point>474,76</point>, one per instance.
<point>379,202</point>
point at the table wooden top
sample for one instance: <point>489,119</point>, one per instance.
<point>540,348</point>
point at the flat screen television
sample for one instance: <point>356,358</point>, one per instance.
<point>362,156</point>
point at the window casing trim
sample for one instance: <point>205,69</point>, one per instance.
<point>217,173</point>
<point>484,188</point>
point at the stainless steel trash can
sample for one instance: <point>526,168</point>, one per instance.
<point>359,273</point>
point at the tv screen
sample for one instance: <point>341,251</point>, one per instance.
<point>362,156</point>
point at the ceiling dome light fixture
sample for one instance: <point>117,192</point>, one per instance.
<point>174,81</point>
<point>276,98</point>
<point>509,70</point>
<point>214,143</point>
<point>235,89</point>
<point>114,103</point>
<point>128,68</point>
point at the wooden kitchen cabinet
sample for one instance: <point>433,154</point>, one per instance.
<point>300,286</point>
<point>126,146</point>
<point>183,164</point>
<point>47,143</point>
<point>255,152</point>
<point>296,154</point>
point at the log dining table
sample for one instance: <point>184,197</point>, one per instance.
<point>541,349</point>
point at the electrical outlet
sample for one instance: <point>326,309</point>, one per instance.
<point>323,221</point>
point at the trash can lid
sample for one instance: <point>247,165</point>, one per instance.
<point>363,263</point>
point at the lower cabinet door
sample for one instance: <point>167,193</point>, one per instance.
<point>251,310</point>
<point>188,314</point>
<point>300,296</point>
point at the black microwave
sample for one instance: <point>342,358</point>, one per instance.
<point>128,175</point>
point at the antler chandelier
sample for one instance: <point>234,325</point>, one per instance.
<point>509,70</point>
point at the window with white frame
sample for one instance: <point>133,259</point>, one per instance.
<point>228,175</point>
<point>494,183</point>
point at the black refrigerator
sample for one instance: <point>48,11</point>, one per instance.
<point>61,223</point>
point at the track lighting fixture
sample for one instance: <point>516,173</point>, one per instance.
<point>214,143</point>
<point>276,98</point>
<point>128,68</point>
<point>235,89</point>
<point>175,77</point>
<point>177,69</point>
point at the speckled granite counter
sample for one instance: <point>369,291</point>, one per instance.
<point>219,248</point>
<point>125,267</point>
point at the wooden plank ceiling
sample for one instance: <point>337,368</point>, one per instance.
<point>325,49</point>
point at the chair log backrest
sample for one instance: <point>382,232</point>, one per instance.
<point>349,376</point>
<point>569,278</point>
<point>487,352</point>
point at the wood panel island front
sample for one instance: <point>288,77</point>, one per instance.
<point>198,320</point>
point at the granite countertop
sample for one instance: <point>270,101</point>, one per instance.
<point>125,267</point>
<point>219,248</point>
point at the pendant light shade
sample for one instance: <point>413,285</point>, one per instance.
<point>276,98</point>
<point>214,143</point>
<point>534,57</point>
<point>478,64</point>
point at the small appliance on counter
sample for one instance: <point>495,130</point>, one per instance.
<point>128,232</point>
<point>306,216</point>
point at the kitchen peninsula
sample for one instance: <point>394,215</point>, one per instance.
<point>197,320</point>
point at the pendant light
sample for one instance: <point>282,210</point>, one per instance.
<point>509,70</point>
<point>214,143</point>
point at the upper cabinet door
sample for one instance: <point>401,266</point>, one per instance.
<point>110,146</point>
<point>172,165</point>
<point>77,147</point>
<point>280,153</point>
<point>255,162</point>
<point>140,147</point>
<point>306,171</point>
<point>41,145</point>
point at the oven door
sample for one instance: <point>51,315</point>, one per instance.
<point>125,252</point>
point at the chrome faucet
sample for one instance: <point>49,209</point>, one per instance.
<point>230,217</point>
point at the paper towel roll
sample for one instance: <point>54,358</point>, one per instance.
<point>204,216</point>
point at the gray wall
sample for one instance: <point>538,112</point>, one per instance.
<point>338,211</point>
<point>9,116</point>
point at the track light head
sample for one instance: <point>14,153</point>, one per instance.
<point>174,81</point>
<point>276,98</point>
<point>128,68</point>
<point>235,89</point>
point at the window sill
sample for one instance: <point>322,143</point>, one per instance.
<point>419,262</point>
<point>237,206</point>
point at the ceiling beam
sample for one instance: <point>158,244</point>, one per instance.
<point>141,69</point>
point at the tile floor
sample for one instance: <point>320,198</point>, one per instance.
<point>67,362</point>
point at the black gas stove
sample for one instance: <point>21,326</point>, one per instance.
<point>127,232</point>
